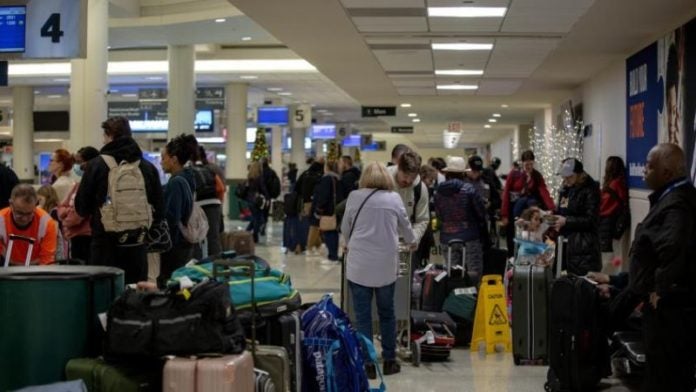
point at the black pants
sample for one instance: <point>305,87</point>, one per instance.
<point>131,259</point>
<point>175,258</point>
<point>80,248</point>
<point>214,214</point>
<point>670,348</point>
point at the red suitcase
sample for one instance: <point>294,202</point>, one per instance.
<point>231,373</point>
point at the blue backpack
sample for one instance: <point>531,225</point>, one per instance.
<point>332,350</point>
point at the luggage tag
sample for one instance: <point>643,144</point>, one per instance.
<point>102,320</point>
<point>465,291</point>
<point>441,276</point>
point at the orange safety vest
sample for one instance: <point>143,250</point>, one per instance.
<point>42,228</point>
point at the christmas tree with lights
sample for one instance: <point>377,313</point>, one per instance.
<point>260,146</point>
<point>333,151</point>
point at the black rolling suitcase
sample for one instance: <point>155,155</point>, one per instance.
<point>530,299</point>
<point>285,331</point>
<point>439,281</point>
<point>578,350</point>
<point>435,332</point>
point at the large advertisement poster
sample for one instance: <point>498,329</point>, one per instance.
<point>661,99</point>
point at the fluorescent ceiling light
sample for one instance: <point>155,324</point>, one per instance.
<point>49,140</point>
<point>249,77</point>
<point>504,106</point>
<point>459,72</point>
<point>461,46</point>
<point>227,66</point>
<point>416,120</point>
<point>154,78</point>
<point>492,120</point>
<point>53,96</point>
<point>405,105</point>
<point>210,139</point>
<point>129,95</point>
<point>457,87</point>
<point>496,114</point>
<point>246,38</point>
<point>327,114</point>
<point>467,12</point>
<point>39,69</point>
<point>285,93</point>
<point>413,114</point>
<point>220,20</point>
<point>274,89</point>
<point>61,80</point>
<point>487,126</point>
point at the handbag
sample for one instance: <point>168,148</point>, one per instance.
<point>72,223</point>
<point>328,222</point>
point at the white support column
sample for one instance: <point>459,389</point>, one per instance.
<point>23,133</point>
<point>236,97</point>
<point>181,83</point>
<point>277,150</point>
<point>88,81</point>
<point>297,152</point>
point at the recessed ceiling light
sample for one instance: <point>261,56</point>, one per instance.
<point>285,93</point>
<point>461,46</point>
<point>413,114</point>
<point>416,120</point>
<point>492,120</point>
<point>154,78</point>
<point>504,106</point>
<point>246,38</point>
<point>462,72</point>
<point>405,105</point>
<point>53,96</point>
<point>496,114</point>
<point>248,77</point>
<point>487,126</point>
<point>274,89</point>
<point>220,20</point>
<point>467,12</point>
<point>457,87</point>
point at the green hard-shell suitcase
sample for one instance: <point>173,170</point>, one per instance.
<point>100,376</point>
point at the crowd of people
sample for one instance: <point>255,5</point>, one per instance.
<point>87,213</point>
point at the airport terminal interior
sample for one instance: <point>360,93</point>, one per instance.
<point>290,80</point>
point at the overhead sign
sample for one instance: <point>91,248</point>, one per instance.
<point>300,116</point>
<point>377,111</point>
<point>455,126</point>
<point>55,29</point>
<point>13,24</point>
<point>402,129</point>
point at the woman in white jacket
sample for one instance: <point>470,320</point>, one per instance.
<point>374,219</point>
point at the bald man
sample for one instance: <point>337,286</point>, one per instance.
<point>663,272</point>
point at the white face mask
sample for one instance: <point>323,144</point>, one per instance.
<point>78,171</point>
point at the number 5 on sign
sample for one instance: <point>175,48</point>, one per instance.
<point>300,116</point>
<point>56,28</point>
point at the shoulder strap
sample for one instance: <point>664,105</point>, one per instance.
<point>416,198</point>
<point>110,161</point>
<point>358,213</point>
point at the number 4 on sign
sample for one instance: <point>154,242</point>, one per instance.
<point>52,28</point>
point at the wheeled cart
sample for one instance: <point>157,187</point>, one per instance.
<point>406,350</point>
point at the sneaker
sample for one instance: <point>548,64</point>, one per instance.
<point>371,371</point>
<point>391,367</point>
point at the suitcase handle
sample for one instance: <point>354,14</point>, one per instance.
<point>15,237</point>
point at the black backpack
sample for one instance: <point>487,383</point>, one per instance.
<point>273,184</point>
<point>205,182</point>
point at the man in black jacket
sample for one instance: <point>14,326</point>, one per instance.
<point>663,272</point>
<point>8,180</point>
<point>350,175</point>
<point>92,195</point>
<point>305,189</point>
<point>578,218</point>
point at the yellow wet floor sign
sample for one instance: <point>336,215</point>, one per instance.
<point>491,324</point>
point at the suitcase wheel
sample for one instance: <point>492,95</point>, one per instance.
<point>415,354</point>
<point>516,359</point>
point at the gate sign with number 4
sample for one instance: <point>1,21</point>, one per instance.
<point>56,28</point>
<point>300,116</point>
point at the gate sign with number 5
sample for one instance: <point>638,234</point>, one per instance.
<point>56,28</point>
<point>300,116</point>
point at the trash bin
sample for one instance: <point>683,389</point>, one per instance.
<point>48,315</point>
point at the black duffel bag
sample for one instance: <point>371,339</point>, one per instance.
<point>194,321</point>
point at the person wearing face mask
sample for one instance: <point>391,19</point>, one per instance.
<point>577,219</point>
<point>523,189</point>
<point>75,228</point>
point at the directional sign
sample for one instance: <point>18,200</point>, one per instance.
<point>401,129</point>
<point>377,111</point>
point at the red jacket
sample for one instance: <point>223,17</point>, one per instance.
<point>609,204</point>
<point>517,181</point>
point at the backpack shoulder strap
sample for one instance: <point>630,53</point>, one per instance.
<point>416,198</point>
<point>110,161</point>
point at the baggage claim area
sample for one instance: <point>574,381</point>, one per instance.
<point>508,183</point>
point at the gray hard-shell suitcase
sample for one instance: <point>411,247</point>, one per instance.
<point>530,303</point>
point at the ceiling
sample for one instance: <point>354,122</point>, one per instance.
<point>378,52</point>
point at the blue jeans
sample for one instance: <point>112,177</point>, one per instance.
<point>331,241</point>
<point>257,221</point>
<point>362,307</point>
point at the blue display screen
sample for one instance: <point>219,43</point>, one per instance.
<point>351,141</point>
<point>323,131</point>
<point>203,121</point>
<point>12,27</point>
<point>272,115</point>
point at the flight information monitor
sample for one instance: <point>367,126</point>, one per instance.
<point>12,29</point>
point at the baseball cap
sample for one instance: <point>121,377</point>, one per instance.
<point>569,167</point>
<point>475,163</point>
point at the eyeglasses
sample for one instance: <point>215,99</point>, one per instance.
<point>22,214</point>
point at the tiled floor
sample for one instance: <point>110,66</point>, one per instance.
<point>466,371</point>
